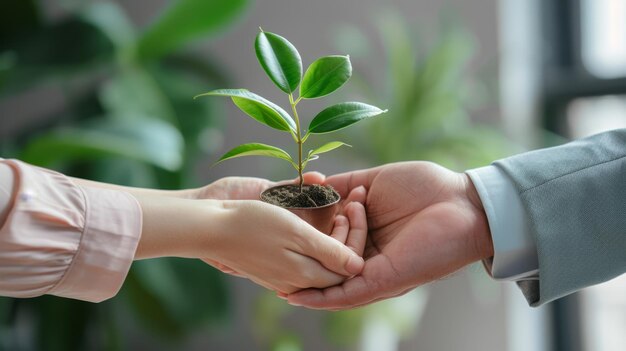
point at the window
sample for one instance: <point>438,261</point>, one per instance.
<point>583,92</point>
<point>591,115</point>
<point>604,316</point>
<point>603,37</point>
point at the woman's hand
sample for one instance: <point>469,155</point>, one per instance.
<point>276,249</point>
<point>350,227</point>
<point>262,242</point>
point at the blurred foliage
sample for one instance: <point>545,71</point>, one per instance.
<point>429,90</point>
<point>128,118</point>
<point>371,327</point>
<point>268,324</point>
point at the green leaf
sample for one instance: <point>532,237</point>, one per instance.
<point>43,54</point>
<point>134,92</point>
<point>61,324</point>
<point>327,147</point>
<point>342,115</point>
<point>143,139</point>
<point>345,327</point>
<point>325,75</point>
<point>5,312</point>
<point>314,154</point>
<point>17,18</point>
<point>185,20</point>
<point>166,294</point>
<point>280,60</point>
<point>257,149</point>
<point>196,119</point>
<point>206,68</point>
<point>258,108</point>
<point>47,47</point>
<point>147,304</point>
<point>122,171</point>
<point>111,19</point>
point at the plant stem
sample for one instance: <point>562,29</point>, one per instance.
<point>299,141</point>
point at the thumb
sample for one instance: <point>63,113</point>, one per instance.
<point>313,178</point>
<point>308,177</point>
<point>335,256</point>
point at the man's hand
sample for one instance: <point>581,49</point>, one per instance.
<point>425,222</point>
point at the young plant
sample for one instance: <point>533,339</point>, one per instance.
<point>282,63</point>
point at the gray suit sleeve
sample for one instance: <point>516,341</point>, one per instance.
<point>575,197</point>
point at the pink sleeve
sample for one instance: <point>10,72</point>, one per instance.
<point>66,240</point>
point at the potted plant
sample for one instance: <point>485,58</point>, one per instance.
<point>281,61</point>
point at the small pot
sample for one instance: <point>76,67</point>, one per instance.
<point>321,218</point>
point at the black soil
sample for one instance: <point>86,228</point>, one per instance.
<point>290,196</point>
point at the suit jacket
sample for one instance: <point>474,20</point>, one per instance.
<point>575,198</point>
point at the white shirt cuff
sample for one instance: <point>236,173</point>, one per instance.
<point>515,252</point>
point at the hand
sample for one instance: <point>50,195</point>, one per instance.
<point>276,249</point>
<point>241,188</point>
<point>350,229</point>
<point>265,243</point>
<point>425,222</point>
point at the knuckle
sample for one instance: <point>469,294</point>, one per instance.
<point>302,238</point>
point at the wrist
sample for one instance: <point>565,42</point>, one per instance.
<point>188,194</point>
<point>481,233</point>
<point>176,227</point>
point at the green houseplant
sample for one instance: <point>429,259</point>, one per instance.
<point>126,118</point>
<point>283,64</point>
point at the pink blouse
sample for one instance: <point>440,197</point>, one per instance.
<point>63,239</point>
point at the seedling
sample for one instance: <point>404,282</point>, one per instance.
<point>282,63</point>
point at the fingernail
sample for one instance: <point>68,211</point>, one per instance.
<point>282,297</point>
<point>294,304</point>
<point>355,264</point>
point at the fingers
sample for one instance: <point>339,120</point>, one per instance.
<point>341,229</point>
<point>234,188</point>
<point>351,231</point>
<point>332,254</point>
<point>312,275</point>
<point>345,182</point>
<point>313,178</point>
<point>357,235</point>
<point>358,194</point>
<point>353,292</point>
<point>377,299</point>
<point>377,281</point>
<point>308,177</point>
